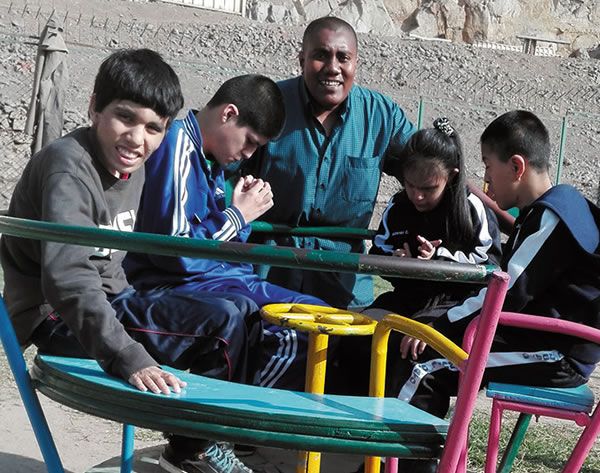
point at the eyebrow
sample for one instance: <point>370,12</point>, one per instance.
<point>121,108</point>
<point>420,187</point>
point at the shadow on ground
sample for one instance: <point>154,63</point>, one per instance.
<point>11,463</point>
<point>265,460</point>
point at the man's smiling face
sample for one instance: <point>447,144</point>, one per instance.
<point>328,60</point>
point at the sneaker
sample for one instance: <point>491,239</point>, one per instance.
<point>242,450</point>
<point>230,449</point>
<point>212,460</point>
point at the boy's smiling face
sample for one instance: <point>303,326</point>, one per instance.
<point>501,178</point>
<point>127,133</point>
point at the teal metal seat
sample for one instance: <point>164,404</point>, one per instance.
<point>248,414</point>
<point>579,399</point>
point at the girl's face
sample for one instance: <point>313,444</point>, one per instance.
<point>425,188</point>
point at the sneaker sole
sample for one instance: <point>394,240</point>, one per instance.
<point>168,466</point>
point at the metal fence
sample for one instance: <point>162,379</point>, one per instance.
<point>478,101</point>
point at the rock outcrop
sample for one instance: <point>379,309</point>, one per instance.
<point>575,21</point>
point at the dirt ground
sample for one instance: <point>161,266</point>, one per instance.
<point>469,85</point>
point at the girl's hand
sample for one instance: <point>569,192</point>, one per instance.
<point>426,247</point>
<point>403,252</point>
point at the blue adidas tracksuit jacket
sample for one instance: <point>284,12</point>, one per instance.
<point>184,195</point>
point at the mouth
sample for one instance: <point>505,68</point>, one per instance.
<point>330,84</point>
<point>127,155</point>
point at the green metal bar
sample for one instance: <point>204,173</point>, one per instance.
<point>246,252</point>
<point>515,442</point>
<point>420,112</point>
<point>561,150</point>
<point>331,232</point>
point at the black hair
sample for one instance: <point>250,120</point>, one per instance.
<point>519,132</point>
<point>141,76</point>
<point>439,148</point>
<point>259,102</point>
<point>327,23</point>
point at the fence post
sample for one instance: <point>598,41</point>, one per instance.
<point>561,149</point>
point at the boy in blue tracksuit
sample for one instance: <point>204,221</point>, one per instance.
<point>553,260</point>
<point>185,196</point>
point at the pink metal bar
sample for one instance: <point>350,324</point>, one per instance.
<point>391,465</point>
<point>580,418</point>
<point>548,324</point>
<point>467,393</point>
<point>491,458</point>
<point>591,423</point>
<point>584,444</point>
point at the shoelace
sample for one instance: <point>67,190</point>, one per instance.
<point>220,458</point>
<point>227,450</point>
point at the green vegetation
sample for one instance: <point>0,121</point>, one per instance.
<point>547,445</point>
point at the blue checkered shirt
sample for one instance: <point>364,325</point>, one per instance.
<point>321,180</point>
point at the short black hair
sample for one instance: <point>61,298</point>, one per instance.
<point>259,101</point>
<point>519,132</point>
<point>327,23</point>
<point>141,76</point>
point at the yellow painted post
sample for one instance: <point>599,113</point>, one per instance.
<point>377,379</point>
<point>316,366</point>
<point>319,322</point>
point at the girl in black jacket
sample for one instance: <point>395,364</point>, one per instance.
<point>434,217</point>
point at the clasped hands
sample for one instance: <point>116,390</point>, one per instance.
<point>252,197</point>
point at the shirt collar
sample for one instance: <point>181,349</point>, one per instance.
<point>192,127</point>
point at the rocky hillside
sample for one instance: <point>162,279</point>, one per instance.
<point>469,85</point>
<point>574,21</point>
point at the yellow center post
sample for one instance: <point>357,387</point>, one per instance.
<point>319,322</point>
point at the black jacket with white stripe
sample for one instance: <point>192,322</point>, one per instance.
<point>553,259</point>
<point>402,222</point>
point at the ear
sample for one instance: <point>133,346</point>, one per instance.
<point>518,164</point>
<point>229,111</point>
<point>92,114</point>
<point>301,59</point>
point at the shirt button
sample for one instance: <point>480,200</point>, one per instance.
<point>318,211</point>
<point>322,186</point>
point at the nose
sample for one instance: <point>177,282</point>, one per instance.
<point>248,151</point>
<point>333,65</point>
<point>136,135</point>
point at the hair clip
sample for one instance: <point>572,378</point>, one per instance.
<point>442,124</point>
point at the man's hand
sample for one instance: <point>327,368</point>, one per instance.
<point>156,380</point>
<point>426,247</point>
<point>252,197</point>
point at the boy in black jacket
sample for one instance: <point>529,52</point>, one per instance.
<point>553,259</point>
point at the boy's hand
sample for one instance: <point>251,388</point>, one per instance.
<point>426,247</point>
<point>156,380</point>
<point>403,252</point>
<point>252,197</point>
<point>411,346</point>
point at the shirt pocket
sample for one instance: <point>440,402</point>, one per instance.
<point>361,178</point>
